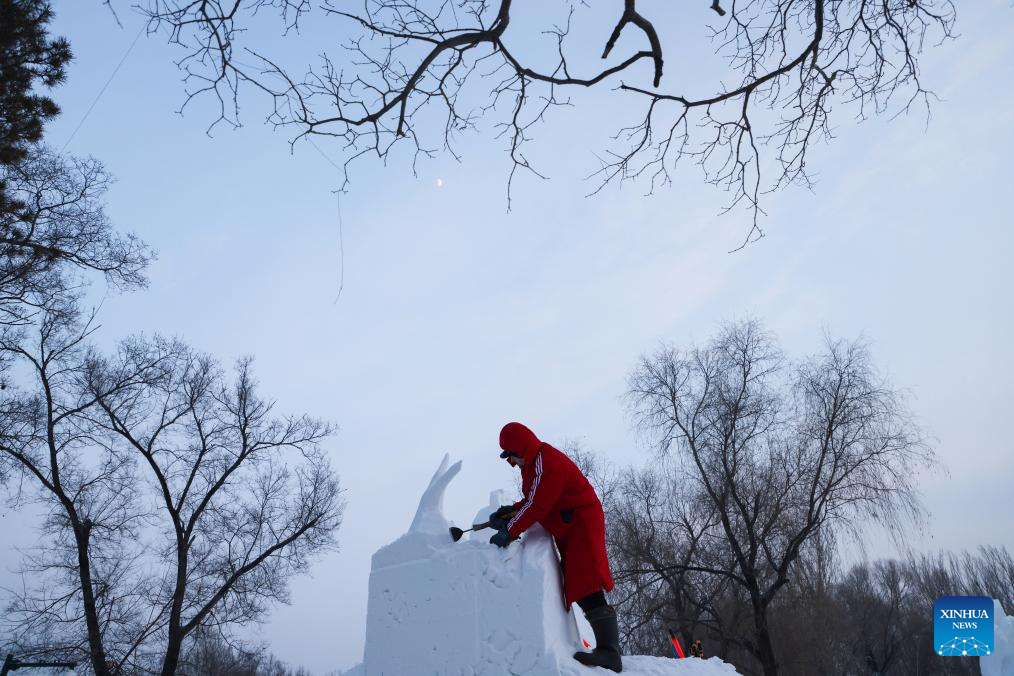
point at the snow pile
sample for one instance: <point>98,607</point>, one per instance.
<point>468,608</point>
<point>641,665</point>
<point>1001,661</point>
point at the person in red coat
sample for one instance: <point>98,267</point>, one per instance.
<point>558,496</point>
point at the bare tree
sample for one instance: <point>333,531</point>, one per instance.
<point>811,632</point>
<point>658,539</point>
<point>884,610</point>
<point>426,71</point>
<point>177,500</point>
<point>57,230</point>
<point>987,572</point>
<point>210,655</point>
<point>781,452</point>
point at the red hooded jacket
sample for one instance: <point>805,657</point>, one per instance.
<point>559,497</point>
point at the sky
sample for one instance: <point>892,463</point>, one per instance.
<point>455,316</point>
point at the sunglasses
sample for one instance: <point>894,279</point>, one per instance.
<point>510,457</point>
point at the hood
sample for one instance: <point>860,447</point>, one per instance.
<point>519,440</point>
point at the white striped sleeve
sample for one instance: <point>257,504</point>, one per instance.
<point>531,494</point>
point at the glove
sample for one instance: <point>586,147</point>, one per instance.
<point>500,517</point>
<point>502,511</point>
<point>501,538</point>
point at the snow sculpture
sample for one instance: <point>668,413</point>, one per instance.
<point>467,608</point>
<point>429,517</point>
<point>440,607</point>
<point>1001,661</point>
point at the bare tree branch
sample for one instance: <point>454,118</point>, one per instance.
<point>409,64</point>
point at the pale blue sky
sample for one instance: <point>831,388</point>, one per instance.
<point>457,317</point>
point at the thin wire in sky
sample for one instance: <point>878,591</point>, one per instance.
<point>341,243</point>
<point>341,252</point>
<point>102,91</point>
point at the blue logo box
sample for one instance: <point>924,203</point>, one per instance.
<point>963,626</point>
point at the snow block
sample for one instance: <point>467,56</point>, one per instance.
<point>1001,661</point>
<point>465,608</point>
<point>468,608</point>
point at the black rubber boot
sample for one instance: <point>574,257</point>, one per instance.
<point>607,640</point>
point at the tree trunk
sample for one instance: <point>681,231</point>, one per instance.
<point>172,652</point>
<point>95,648</point>
<point>175,643</point>
<point>765,650</point>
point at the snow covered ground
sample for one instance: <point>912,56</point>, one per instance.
<point>640,665</point>
<point>468,608</point>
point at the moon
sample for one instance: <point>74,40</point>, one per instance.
<point>440,183</point>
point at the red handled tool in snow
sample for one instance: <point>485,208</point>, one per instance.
<point>677,650</point>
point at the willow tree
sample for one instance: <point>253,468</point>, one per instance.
<point>770,454</point>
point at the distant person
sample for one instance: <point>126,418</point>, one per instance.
<point>559,497</point>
